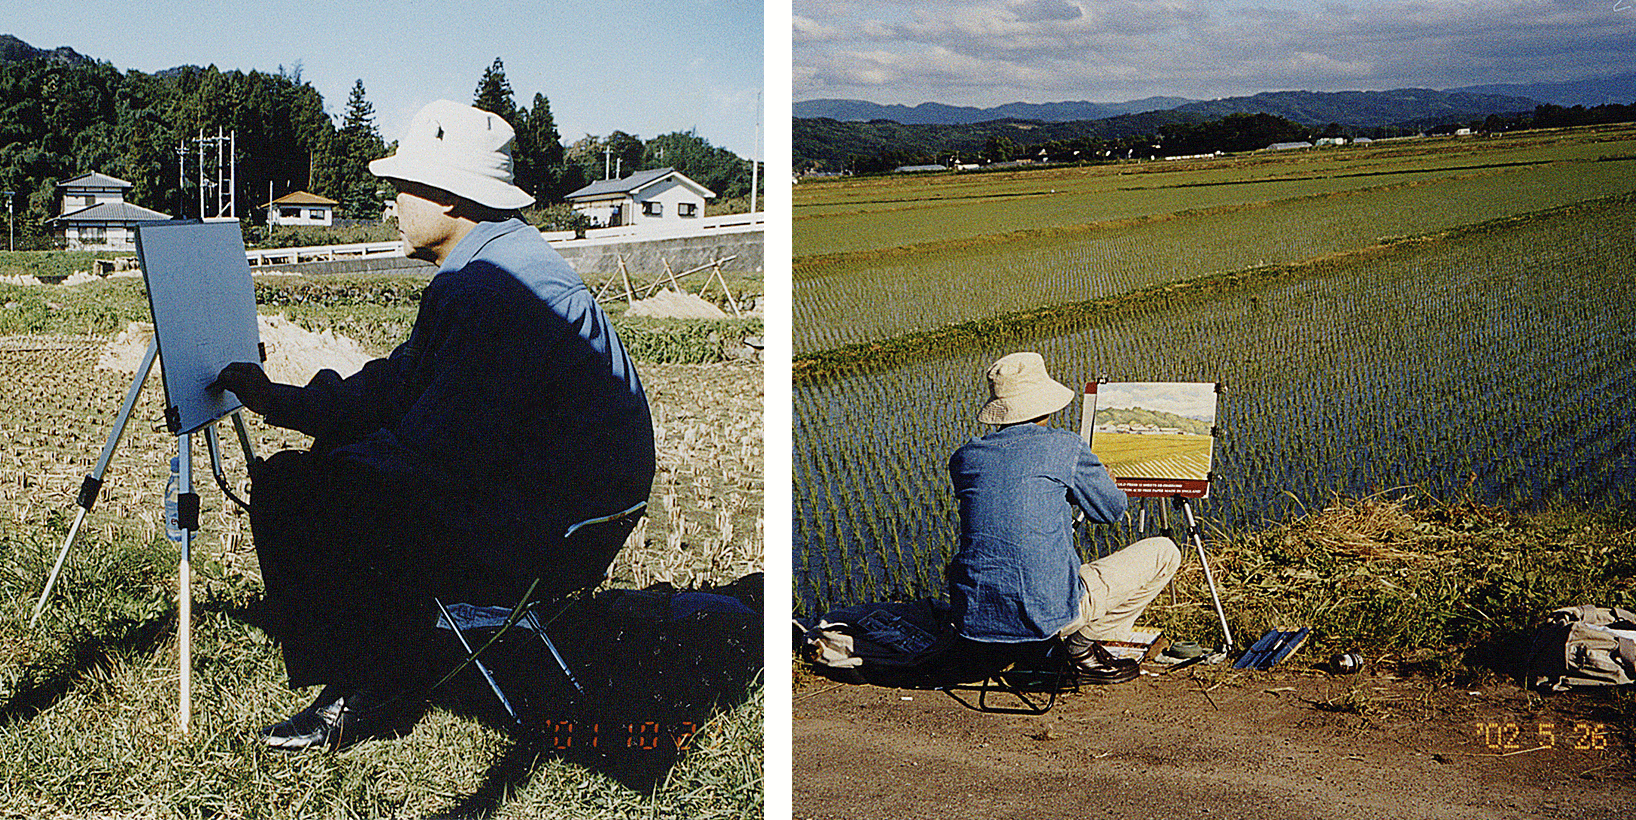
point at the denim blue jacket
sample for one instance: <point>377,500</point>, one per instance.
<point>1016,576</point>
<point>512,410</point>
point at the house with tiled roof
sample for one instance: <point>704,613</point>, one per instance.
<point>662,195</point>
<point>301,208</point>
<point>94,216</point>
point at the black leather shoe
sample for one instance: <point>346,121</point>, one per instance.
<point>1095,664</point>
<point>337,719</point>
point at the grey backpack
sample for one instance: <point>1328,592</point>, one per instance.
<point>1583,646</point>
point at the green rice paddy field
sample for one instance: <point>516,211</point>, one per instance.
<point>1452,315</point>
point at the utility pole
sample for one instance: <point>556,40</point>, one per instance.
<point>755,159</point>
<point>11,223</point>
<point>201,141</point>
<point>224,177</point>
<point>181,180</point>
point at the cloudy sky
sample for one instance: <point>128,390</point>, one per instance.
<point>644,68</point>
<point>990,52</point>
<point>1194,400</point>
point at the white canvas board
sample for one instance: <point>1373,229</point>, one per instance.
<point>204,313</point>
<point>1155,438</point>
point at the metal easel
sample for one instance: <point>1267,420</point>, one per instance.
<point>187,504</point>
<point>1179,499</point>
<point>1195,534</point>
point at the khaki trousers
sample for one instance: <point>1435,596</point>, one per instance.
<point>1115,589</point>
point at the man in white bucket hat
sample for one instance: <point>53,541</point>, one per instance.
<point>1017,576</point>
<point>453,468</point>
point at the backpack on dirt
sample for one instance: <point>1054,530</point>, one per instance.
<point>1583,646</point>
<point>885,643</point>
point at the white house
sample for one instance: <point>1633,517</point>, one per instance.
<point>94,215</point>
<point>645,197</point>
<point>301,208</point>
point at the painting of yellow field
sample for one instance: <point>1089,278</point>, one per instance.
<point>1155,438</point>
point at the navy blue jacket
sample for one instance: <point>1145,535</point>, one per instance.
<point>510,413</point>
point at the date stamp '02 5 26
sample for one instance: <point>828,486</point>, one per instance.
<point>1527,737</point>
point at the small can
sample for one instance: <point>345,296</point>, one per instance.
<point>1346,662</point>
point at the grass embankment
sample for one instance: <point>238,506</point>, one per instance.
<point>88,705</point>
<point>1451,589</point>
<point>374,310</point>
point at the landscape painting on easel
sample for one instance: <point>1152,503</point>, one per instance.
<point>1155,438</point>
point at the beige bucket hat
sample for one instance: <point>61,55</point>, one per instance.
<point>460,149</point>
<point>1020,390</point>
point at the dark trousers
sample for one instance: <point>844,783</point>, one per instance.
<point>351,568</point>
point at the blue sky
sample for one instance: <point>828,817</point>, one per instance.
<point>644,68</point>
<point>991,52</point>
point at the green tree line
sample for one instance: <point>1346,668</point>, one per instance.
<point>61,119</point>
<point>549,170</point>
<point>880,145</point>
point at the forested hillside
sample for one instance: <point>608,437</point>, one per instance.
<point>63,115</point>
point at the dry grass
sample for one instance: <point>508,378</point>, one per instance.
<point>1452,589</point>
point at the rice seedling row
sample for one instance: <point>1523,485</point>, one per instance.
<point>1489,362</point>
<point>860,298</point>
<point>876,213</point>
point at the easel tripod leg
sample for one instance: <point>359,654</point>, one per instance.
<point>93,482</point>
<point>190,522</point>
<point>1198,543</point>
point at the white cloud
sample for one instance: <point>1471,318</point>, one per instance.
<point>1040,10</point>
<point>997,51</point>
<point>808,30</point>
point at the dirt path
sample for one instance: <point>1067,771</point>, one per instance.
<point>1282,744</point>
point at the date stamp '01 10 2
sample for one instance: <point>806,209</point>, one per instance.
<point>1519,737</point>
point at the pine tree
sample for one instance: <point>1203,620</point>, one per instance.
<point>494,93</point>
<point>539,152</point>
<point>355,145</point>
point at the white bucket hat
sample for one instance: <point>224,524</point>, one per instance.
<point>1020,390</point>
<point>459,149</point>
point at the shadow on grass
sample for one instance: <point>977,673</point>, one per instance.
<point>651,679</point>
<point>44,683</point>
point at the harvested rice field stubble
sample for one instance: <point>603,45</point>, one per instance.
<point>88,699</point>
<point>1089,233</point>
<point>1488,358</point>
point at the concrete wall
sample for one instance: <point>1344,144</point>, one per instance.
<point>646,258</point>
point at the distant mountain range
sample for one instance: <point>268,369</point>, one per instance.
<point>1617,89</point>
<point>13,50</point>
<point>1365,109</point>
<point>939,114</point>
<point>1357,109</point>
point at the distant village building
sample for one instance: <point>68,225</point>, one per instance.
<point>94,215</point>
<point>1323,141</point>
<point>645,197</point>
<point>1285,146</point>
<point>918,169</point>
<point>300,208</point>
